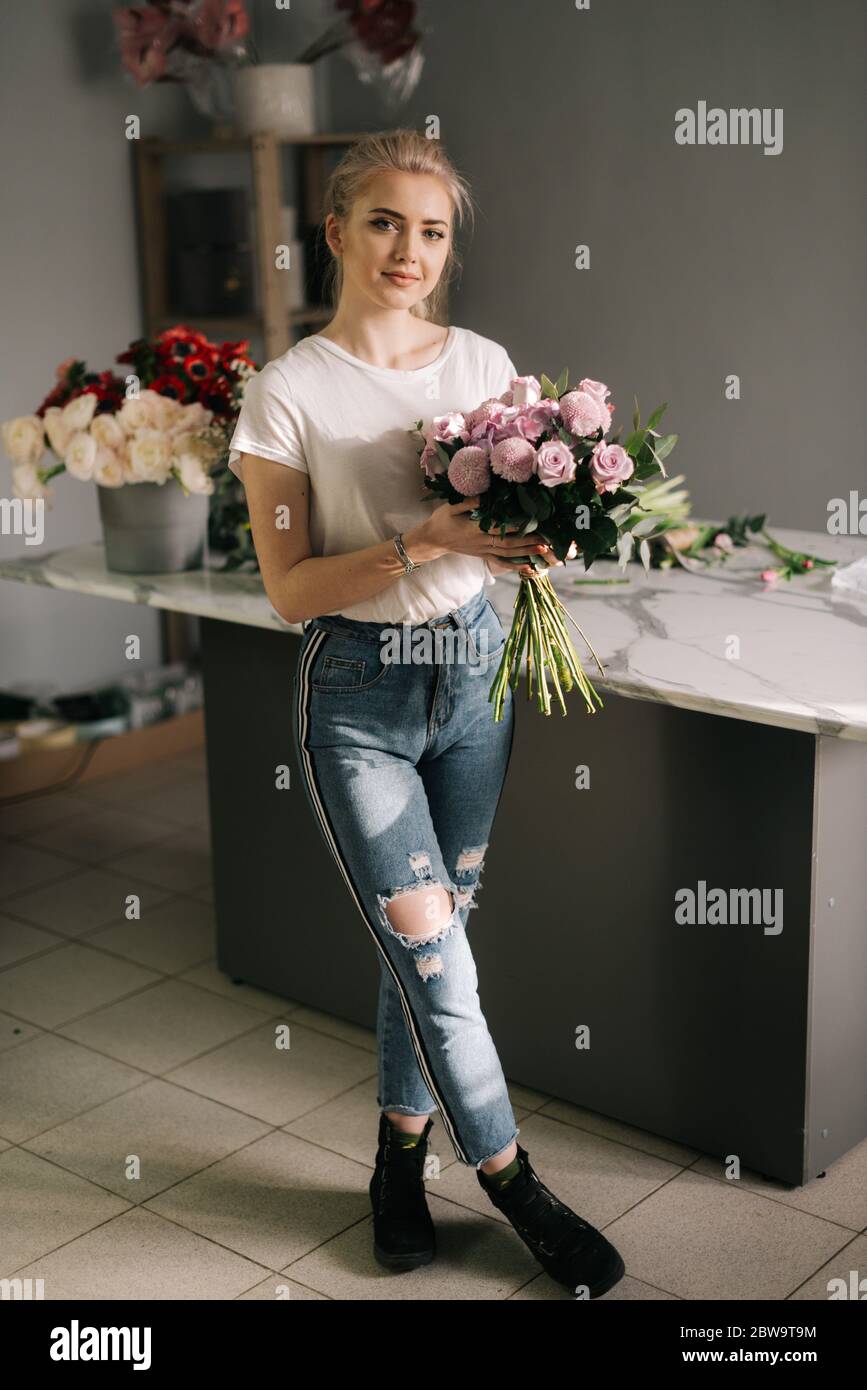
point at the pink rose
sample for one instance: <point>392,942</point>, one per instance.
<point>555,463</point>
<point>480,420</point>
<point>536,419</point>
<point>525,390</point>
<point>427,458</point>
<point>508,426</point>
<point>583,414</point>
<point>451,426</point>
<point>594,388</point>
<point>609,466</point>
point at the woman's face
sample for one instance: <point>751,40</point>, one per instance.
<point>400,222</point>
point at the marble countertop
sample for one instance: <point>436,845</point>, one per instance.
<point>664,636</point>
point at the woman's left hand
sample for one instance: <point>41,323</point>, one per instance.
<point>544,550</point>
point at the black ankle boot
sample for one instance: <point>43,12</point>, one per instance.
<point>403,1232</point>
<point>569,1249</point>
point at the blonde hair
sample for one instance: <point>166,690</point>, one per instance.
<point>406,151</point>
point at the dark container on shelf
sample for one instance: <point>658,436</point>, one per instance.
<point>209,258</point>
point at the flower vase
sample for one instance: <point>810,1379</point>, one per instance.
<point>276,97</point>
<point>152,528</point>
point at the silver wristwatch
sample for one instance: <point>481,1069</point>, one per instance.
<point>408,564</point>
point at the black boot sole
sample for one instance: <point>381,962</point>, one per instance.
<point>409,1259</point>
<point>597,1290</point>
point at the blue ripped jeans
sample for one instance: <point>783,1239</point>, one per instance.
<point>403,767</point>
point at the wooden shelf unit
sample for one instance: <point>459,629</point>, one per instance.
<point>273,320</point>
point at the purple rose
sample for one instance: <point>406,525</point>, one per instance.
<point>555,463</point>
<point>610,465</point>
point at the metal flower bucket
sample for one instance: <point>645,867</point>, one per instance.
<point>150,528</point>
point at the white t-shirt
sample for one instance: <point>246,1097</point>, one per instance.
<point>345,423</point>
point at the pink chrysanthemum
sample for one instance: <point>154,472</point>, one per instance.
<point>583,414</point>
<point>469,473</point>
<point>514,459</point>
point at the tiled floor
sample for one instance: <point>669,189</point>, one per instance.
<point>155,1144</point>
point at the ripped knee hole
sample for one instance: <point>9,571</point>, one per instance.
<point>420,913</point>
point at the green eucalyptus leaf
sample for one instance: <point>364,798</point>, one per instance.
<point>644,470</point>
<point>634,442</point>
<point>620,513</point>
<point>663,447</point>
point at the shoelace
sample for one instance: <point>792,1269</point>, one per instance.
<point>399,1179</point>
<point>541,1208</point>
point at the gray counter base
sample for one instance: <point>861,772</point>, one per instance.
<point>730,1039</point>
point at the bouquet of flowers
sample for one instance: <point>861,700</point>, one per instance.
<point>538,459</point>
<point>381,41</point>
<point>171,417</point>
<point>197,42</point>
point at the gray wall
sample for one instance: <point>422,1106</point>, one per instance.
<point>69,278</point>
<point>69,286</point>
<point>705,261</point>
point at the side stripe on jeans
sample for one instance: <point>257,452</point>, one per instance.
<point>302,712</point>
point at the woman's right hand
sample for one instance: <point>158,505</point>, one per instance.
<point>451,529</point>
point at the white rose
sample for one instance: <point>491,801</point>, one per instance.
<point>138,412</point>
<point>81,456</point>
<point>167,411</point>
<point>123,458</point>
<point>205,450</point>
<point>58,433</point>
<point>150,456</point>
<point>77,414</point>
<point>24,439</point>
<point>192,417</point>
<point>107,431</point>
<point>25,483</point>
<point>109,469</point>
<point>193,475</point>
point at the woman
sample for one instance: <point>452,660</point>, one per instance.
<point>403,763</point>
